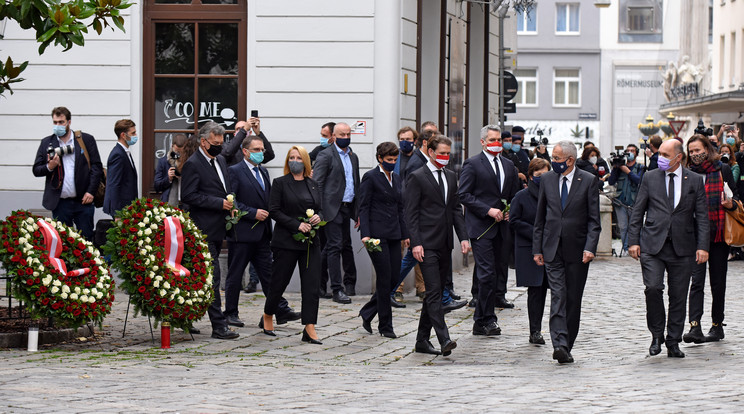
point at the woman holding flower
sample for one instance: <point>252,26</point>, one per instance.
<point>294,205</point>
<point>383,230</point>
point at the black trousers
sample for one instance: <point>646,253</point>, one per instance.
<point>489,271</point>
<point>387,270</point>
<point>436,268</point>
<point>536,304</point>
<point>238,256</point>
<point>506,253</point>
<point>337,247</point>
<point>678,269</point>
<point>567,281</point>
<point>216,317</point>
<point>717,267</point>
<point>281,273</point>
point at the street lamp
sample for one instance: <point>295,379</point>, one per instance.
<point>647,129</point>
<point>602,4</point>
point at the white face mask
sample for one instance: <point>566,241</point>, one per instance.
<point>593,160</point>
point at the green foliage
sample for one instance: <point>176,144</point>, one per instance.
<point>63,24</point>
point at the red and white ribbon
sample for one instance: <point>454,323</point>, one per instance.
<point>54,248</point>
<point>174,246</point>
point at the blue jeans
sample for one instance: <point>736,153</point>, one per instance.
<point>623,216</point>
<point>71,211</point>
<point>406,265</point>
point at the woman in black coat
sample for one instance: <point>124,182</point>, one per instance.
<point>591,161</point>
<point>381,216</point>
<point>295,195</point>
<point>521,219</point>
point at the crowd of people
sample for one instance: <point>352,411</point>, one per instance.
<point>510,206</point>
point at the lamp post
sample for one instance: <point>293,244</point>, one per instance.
<point>647,129</point>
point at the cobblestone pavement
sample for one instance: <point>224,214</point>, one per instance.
<point>356,372</point>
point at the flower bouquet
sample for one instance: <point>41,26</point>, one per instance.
<point>235,215</point>
<point>309,236</point>
<point>37,253</point>
<point>373,245</point>
<point>504,211</point>
<point>164,261</point>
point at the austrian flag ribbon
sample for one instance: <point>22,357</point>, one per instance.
<point>174,246</point>
<point>54,249</point>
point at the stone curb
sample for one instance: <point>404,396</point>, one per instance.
<point>20,339</point>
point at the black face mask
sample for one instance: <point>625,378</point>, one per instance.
<point>214,150</point>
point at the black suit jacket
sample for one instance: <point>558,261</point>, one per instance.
<point>121,181</point>
<point>416,161</point>
<point>479,192</point>
<point>86,179</point>
<point>249,197</point>
<point>429,218</point>
<point>233,153</point>
<point>202,191</point>
<point>285,206</point>
<point>689,220</point>
<point>577,227</point>
<point>381,210</point>
<point>162,183</point>
<point>328,172</point>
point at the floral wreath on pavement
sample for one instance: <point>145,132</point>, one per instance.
<point>164,262</point>
<point>54,270</point>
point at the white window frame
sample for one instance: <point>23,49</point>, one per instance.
<point>568,31</point>
<point>566,81</point>
<point>521,82</point>
<point>525,19</point>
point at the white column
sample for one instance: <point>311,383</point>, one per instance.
<point>387,71</point>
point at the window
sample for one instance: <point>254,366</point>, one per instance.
<point>640,21</point>
<point>566,87</point>
<point>732,60</point>
<point>567,18</point>
<point>527,90</point>
<point>527,21</point>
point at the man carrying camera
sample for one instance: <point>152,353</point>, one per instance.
<point>168,172</point>
<point>232,149</point>
<point>541,143</point>
<point>652,152</point>
<point>71,180</point>
<point>626,176</point>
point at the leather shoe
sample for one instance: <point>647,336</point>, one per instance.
<point>425,347</point>
<point>453,305</point>
<point>250,288</point>
<point>473,302</point>
<point>350,290</point>
<point>367,325</point>
<point>655,347</point>
<point>307,338</point>
<point>394,303</point>
<point>323,294</point>
<point>454,295</point>
<point>491,329</point>
<point>288,316</point>
<point>537,338</point>
<point>389,334</point>
<point>224,333</point>
<point>448,346</point>
<point>504,304</point>
<point>266,332</point>
<point>562,355</point>
<point>340,297</point>
<point>715,333</point>
<point>233,320</point>
<point>695,335</point>
<point>673,351</point>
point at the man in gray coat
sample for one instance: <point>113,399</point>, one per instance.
<point>672,238</point>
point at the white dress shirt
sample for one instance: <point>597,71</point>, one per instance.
<point>217,167</point>
<point>433,168</point>
<point>68,162</point>
<point>500,173</point>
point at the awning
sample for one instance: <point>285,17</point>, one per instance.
<point>732,101</point>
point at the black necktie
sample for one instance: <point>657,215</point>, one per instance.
<point>564,192</point>
<point>441,185</point>
<point>214,165</point>
<point>498,174</point>
<point>671,191</point>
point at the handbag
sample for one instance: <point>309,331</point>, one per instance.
<point>101,192</point>
<point>733,230</point>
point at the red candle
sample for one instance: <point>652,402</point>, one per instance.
<point>165,331</point>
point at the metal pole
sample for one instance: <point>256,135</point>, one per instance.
<point>502,14</point>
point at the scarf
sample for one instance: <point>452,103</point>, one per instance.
<point>713,190</point>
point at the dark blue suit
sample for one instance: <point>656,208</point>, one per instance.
<point>121,181</point>
<point>382,216</point>
<point>479,192</point>
<point>162,183</point>
<point>249,244</point>
<point>416,161</point>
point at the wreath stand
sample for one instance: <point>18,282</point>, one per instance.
<point>149,322</point>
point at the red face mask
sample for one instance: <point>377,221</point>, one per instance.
<point>494,148</point>
<point>442,160</point>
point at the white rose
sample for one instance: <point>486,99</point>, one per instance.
<point>86,291</point>
<point>22,240</point>
<point>47,280</point>
<point>139,233</point>
<point>166,285</point>
<point>189,302</point>
<point>156,284</point>
<point>36,274</point>
<point>30,220</point>
<point>55,289</point>
<point>99,295</point>
<point>147,240</point>
<point>91,300</point>
<point>230,198</point>
<point>63,295</point>
<point>83,298</point>
<point>148,213</point>
<point>93,291</point>
<point>148,232</point>
<point>148,247</point>
<point>163,216</point>
<point>65,289</point>
<point>36,226</point>
<point>162,292</point>
<point>77,290</point>
<point>180,300</point>
<point>140,243</point>
<point>143,252</point>
<point>73,296</point>
<point>154,226</point>
<point>57,283</point>
<point>177,291</point>
<point>141,224</point>
<point>158,278</point>
<point>99,285</point>
<point>309,212</point>
<point>146,220</point>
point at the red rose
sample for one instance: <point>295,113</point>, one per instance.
<point>141,289</point>
<point>81,246</point>
<point>43,289</point>
<point>133,229</point>
<point>123,242</point>
<point>76,312</point>
<point>68,308</point>
<point>37,293</point>
<point>45,301</point>
<point>139,278</point>
<point>77,253</point>
<point>29,271</point>
<point>29,282</point>
<point>130,256</point>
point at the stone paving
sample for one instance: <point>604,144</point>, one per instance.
<point>356,372</point>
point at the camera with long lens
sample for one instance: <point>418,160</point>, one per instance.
<point>619,157</point>
<point>61,151</point>
<point>725,158</point>
<point>541,140</point>
<point>702,130</point>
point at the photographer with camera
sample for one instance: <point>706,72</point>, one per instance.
<point>168,172</point>
<point>652,152</point>
<point>541,144</point>
<point>72,169</point>
<point>232,149</point>
<point>626,176</point>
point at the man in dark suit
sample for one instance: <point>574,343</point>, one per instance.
<point>204,188</point>
<point>232,150</point>
<point>326,140</point>
<point>673,237</point>
<point>337,172</point>
<point>487,179</point>
<point>518,154</point>
<point>567,230</point>
<point>167,174</point>
<point>71,180</point>
<point>432,209</point>
<point>121,186</point>
<point>252,235</point>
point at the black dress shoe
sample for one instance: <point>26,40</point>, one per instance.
<point>492,329</point>
<point>655,347</point>
<point>394,303</point>
<point>453,305</point>
<point>448,346</point>
<point>323,294</point>
<point>233,320</point>
<point>350,290</point>
<point>562,355</point>
<point>308,339</point>
<point>537,338</point>
<point>288,316</point>
<point>367,325</point>
<point>389,334</point>
<point>715,334</point>
<point>266,332</point>
<point>425,347</point>
<point>473,302</point>
<point>695,335</point>
<point>674,352</point>
<point>504,304</point>
<point>340,297</point>
<point>250,288</point>
<point>455,296</point>
<point>224,333</point>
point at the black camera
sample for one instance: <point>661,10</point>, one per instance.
<point>173,158</point>
<point>538,141</point>
<point>702,130</point>
<point>619,157</point>
<point>174,155</point>
<point>61,151</point>
<point>725,158</point>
